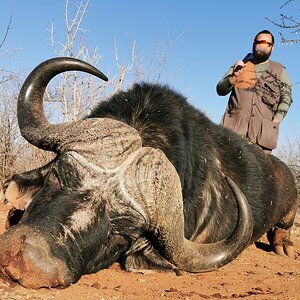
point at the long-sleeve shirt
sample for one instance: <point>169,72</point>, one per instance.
<point>259,100</point>
<point>224,87</point>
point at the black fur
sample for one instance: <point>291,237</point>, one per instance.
<point>202,153</point>
<point>193,144</point>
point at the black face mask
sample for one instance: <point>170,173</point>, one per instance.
<point>260,55</point>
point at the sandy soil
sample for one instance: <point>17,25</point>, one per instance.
<point>255,274</point>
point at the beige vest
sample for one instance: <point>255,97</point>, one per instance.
<point>253,103</point>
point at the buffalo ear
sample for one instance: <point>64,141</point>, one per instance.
<point>19,193</point>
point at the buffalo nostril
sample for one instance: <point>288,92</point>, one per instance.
<point>26,258</point>
<point>34,267</point>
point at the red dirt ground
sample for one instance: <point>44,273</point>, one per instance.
<point>255,274</point>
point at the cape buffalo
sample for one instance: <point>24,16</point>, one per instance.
<point>146,179</point>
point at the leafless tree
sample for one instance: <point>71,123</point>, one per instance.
<point>8,127</point>
<point>68,98</point>
<point>72,94</point>
<point>286,23</point>
<point>4,74</point>
<point>14,155</point>
<point>76,93</point>
<point>6,31</point>
<point>152,68</point>
<point>7,121</point>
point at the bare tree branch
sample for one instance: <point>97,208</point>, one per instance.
<point>8,28</point>
<point>289,23</point>
<point>122,70</point>
<point>286,3</point>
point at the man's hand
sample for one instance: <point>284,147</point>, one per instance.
<point>237,70</point>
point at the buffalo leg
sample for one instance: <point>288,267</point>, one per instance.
<point>279,239</point>
<point>279,235</point>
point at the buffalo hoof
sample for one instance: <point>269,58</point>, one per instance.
<point>280,239</point>
<point>289,250</point>
<point>25,257</point>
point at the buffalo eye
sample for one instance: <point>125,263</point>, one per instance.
<point>52,181</point>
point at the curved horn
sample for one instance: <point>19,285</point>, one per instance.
<point>195,257</point>
<point>33,124</point>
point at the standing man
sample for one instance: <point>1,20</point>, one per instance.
<point>260,94</point>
